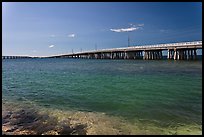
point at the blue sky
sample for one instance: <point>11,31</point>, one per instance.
<point>43,29</point>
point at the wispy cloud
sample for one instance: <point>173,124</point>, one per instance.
<point>132,28</point>
<point>164,31</point>
<point>136,25</point>
<point>72,35</point>
<point>34,51</point>
<point>51,46</point>
<point>125,29</point>
<point>140,25</point>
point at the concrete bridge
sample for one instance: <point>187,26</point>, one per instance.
<point>176,51</point>
<point>15,57</point>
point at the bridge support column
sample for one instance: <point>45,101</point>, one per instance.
<point>125,55</point>
<point>148,54</point>
<point>188,53</point>
<point>195,54</point>
<point>140,54</point>
<point>145,55</point>
<point>191,54</point>
<point>175,54</point>
<point>160,53</point>
<point>152,55</point>
<point>170,54</point>
<point>111,55</point>
<point>178,54</point>
<point>181,54</point>
<point>184,54</point>
<point>137,55</point>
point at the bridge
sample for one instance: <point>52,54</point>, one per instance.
<point>15,57</point>
<point>176,51</point>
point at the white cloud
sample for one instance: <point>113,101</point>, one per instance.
<point>71,35</point>
<point>51,46</point>
<point>34,51</point>
<point>125,29</point>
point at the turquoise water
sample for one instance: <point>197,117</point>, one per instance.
<point>166,93</point>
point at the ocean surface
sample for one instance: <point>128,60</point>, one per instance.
<point>90,96</point>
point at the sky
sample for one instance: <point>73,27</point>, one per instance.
<point>52,28</point>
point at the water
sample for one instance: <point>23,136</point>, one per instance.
<point>135,96</point>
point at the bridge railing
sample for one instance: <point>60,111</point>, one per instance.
<point>167,45</point>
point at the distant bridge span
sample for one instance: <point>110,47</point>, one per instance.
<point>15,57</point>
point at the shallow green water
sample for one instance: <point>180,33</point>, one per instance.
<point>164,92</point>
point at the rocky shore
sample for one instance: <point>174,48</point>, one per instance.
<point>27,122</point>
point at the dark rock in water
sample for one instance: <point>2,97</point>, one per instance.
<point>6,114</point>
<point>13,128</point>
<point>66,130</point>
<point>51,132</point>
<point>80,129</point>
<point>44,128</point>
<point>22,117</point>
<point>6,133</point>
<point>15,116</point>
<point>5,121</point>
